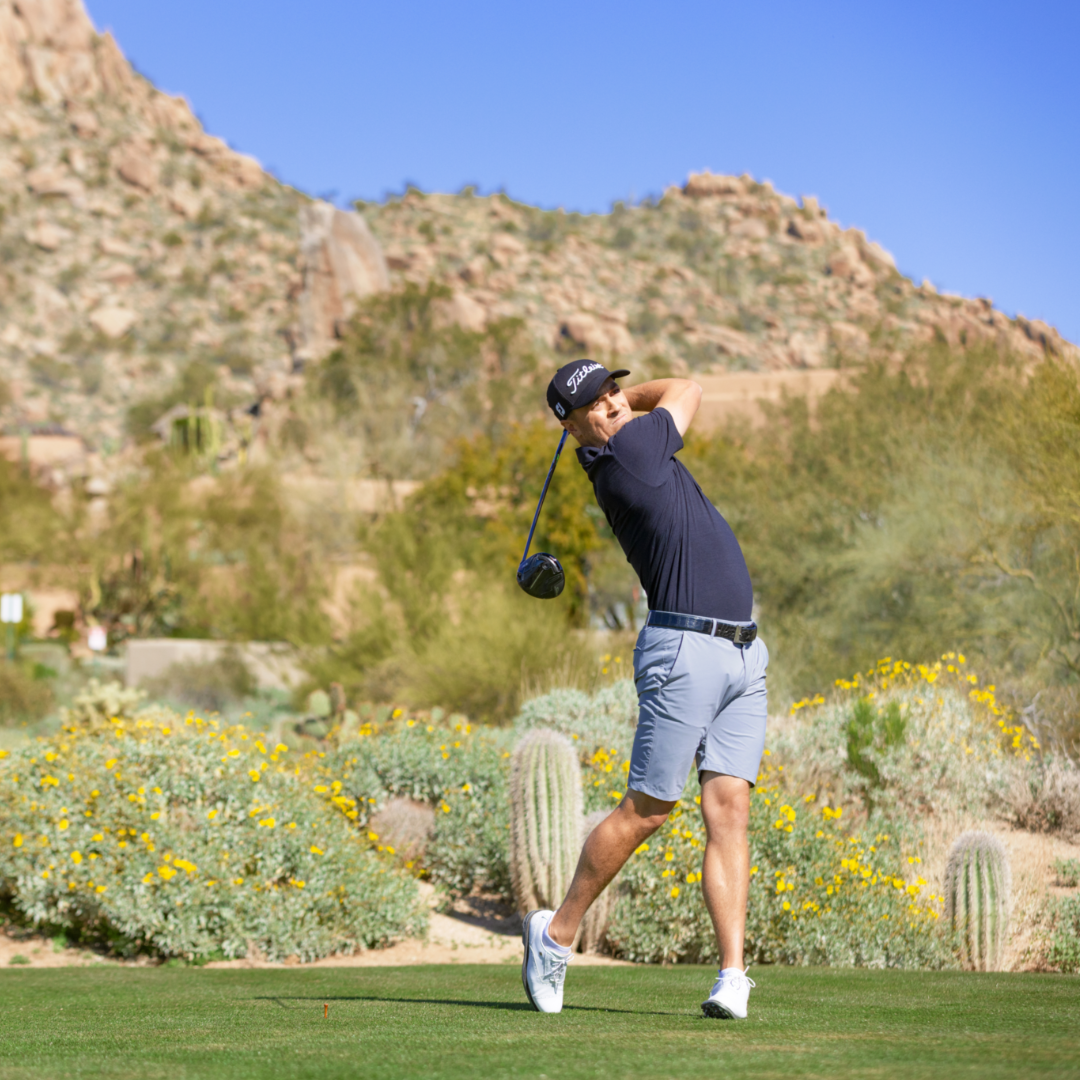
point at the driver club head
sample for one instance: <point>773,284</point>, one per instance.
<point>541,576</point>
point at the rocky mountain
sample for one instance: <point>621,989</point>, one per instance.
<point>144,261</point>
<point>722,274</point>
<point>133,245</point>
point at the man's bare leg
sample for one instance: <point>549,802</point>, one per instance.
<point>725,806</point>
<point>608,847</point>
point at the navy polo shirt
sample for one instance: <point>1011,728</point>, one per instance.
<point>684,552</point>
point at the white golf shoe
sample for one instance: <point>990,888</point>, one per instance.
<point>543,970</point>
<point>729,996</point>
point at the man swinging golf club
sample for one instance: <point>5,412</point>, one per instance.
<point>699,667</point>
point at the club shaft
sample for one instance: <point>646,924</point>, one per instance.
<point>543,494</point>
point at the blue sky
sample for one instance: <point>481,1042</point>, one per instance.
<point>949,131</point>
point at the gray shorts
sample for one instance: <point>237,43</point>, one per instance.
<point>700,699</point>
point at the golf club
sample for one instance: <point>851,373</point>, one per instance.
<point>542,576</point>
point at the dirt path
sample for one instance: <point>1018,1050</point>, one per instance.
<point>475,931</point>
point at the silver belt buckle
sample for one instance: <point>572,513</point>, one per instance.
<point>739,639</point>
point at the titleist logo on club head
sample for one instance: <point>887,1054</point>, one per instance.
<point>575,378</point>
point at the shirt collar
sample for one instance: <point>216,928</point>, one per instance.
<point>591,456</point>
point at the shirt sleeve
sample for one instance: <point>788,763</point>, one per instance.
<point>646,445</point>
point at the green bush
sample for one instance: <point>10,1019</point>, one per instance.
<point>188,838</point>
<point>1064,951</point>
<point>24,697</point>
<point>605,718</point>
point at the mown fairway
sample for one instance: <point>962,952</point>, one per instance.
<point>463,1021</point>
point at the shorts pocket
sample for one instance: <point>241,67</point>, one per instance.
<point>655,656</point>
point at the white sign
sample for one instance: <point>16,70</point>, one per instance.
<point>11,607</point>
<point>97,639</point>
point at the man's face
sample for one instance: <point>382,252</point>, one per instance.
<point>594,424</point>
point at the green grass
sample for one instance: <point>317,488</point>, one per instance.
<point>471,1021</point>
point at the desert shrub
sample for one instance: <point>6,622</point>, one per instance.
<point>189,838</point>
<point>1046,798</point>
<point>222,559</point>
<point>1068,872</point>
<point>31,527</point>
<point>454,767</point>
<point>1064,951</point>
<point>23,698</point>
<point>934,499</point>
<point>906,739</point>
<point>818,894</point>
<point>604,718</point>
<point>98,702</point>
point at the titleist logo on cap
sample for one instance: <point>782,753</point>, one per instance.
<point>576,376</point>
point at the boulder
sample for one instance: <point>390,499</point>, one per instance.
<point>47,46</point>
<point>117,78</point>
<point>751,228</point>
<point>849,339</point>
<point>47,236</point>
<point>805,229</point>
<point>119,275</point>
<point>135,164</point>
<point>173,114</point>
<point>806,348</point>
<point>83,120</point>
<point>475,270</point>
<point>111,245</point>
<point>506,248</point>
<point>113,322</point>
<point>185,200</point>
<point>464,311</point>
<point>597,333</point>
<point>341,262</point>
<point>51,181</point>
<point>704,184</point>
<point>846,263</point>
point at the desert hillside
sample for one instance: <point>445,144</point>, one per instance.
<point>144,263</point>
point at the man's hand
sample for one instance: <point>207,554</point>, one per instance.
<point>681,398</point>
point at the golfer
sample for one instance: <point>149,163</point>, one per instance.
<point>699,667</point>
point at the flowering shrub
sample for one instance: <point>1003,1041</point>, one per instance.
<point>906,739</point>
<point>889,746</point>
<point>185,837</point>
<point>818,895</point>
<point>458,769</point>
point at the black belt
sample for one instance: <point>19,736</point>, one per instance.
<point>672,620</point>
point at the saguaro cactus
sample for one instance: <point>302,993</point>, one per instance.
<point>545,818</point>
<point>977,885</point>
<point>594,925</point>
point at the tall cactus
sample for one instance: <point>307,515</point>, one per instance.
<point>594,925</point>
<point>545,818</point>
<point>977,886</point>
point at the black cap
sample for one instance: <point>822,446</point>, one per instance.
<point>578,383</point>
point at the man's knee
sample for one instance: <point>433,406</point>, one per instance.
<point>725,802</point>
<point>645,812</point>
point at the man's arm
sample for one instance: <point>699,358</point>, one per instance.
<point>681,398</point>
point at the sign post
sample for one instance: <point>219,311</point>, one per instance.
<point>11,614</point>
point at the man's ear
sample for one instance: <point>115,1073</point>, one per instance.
<point>571,427</point>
